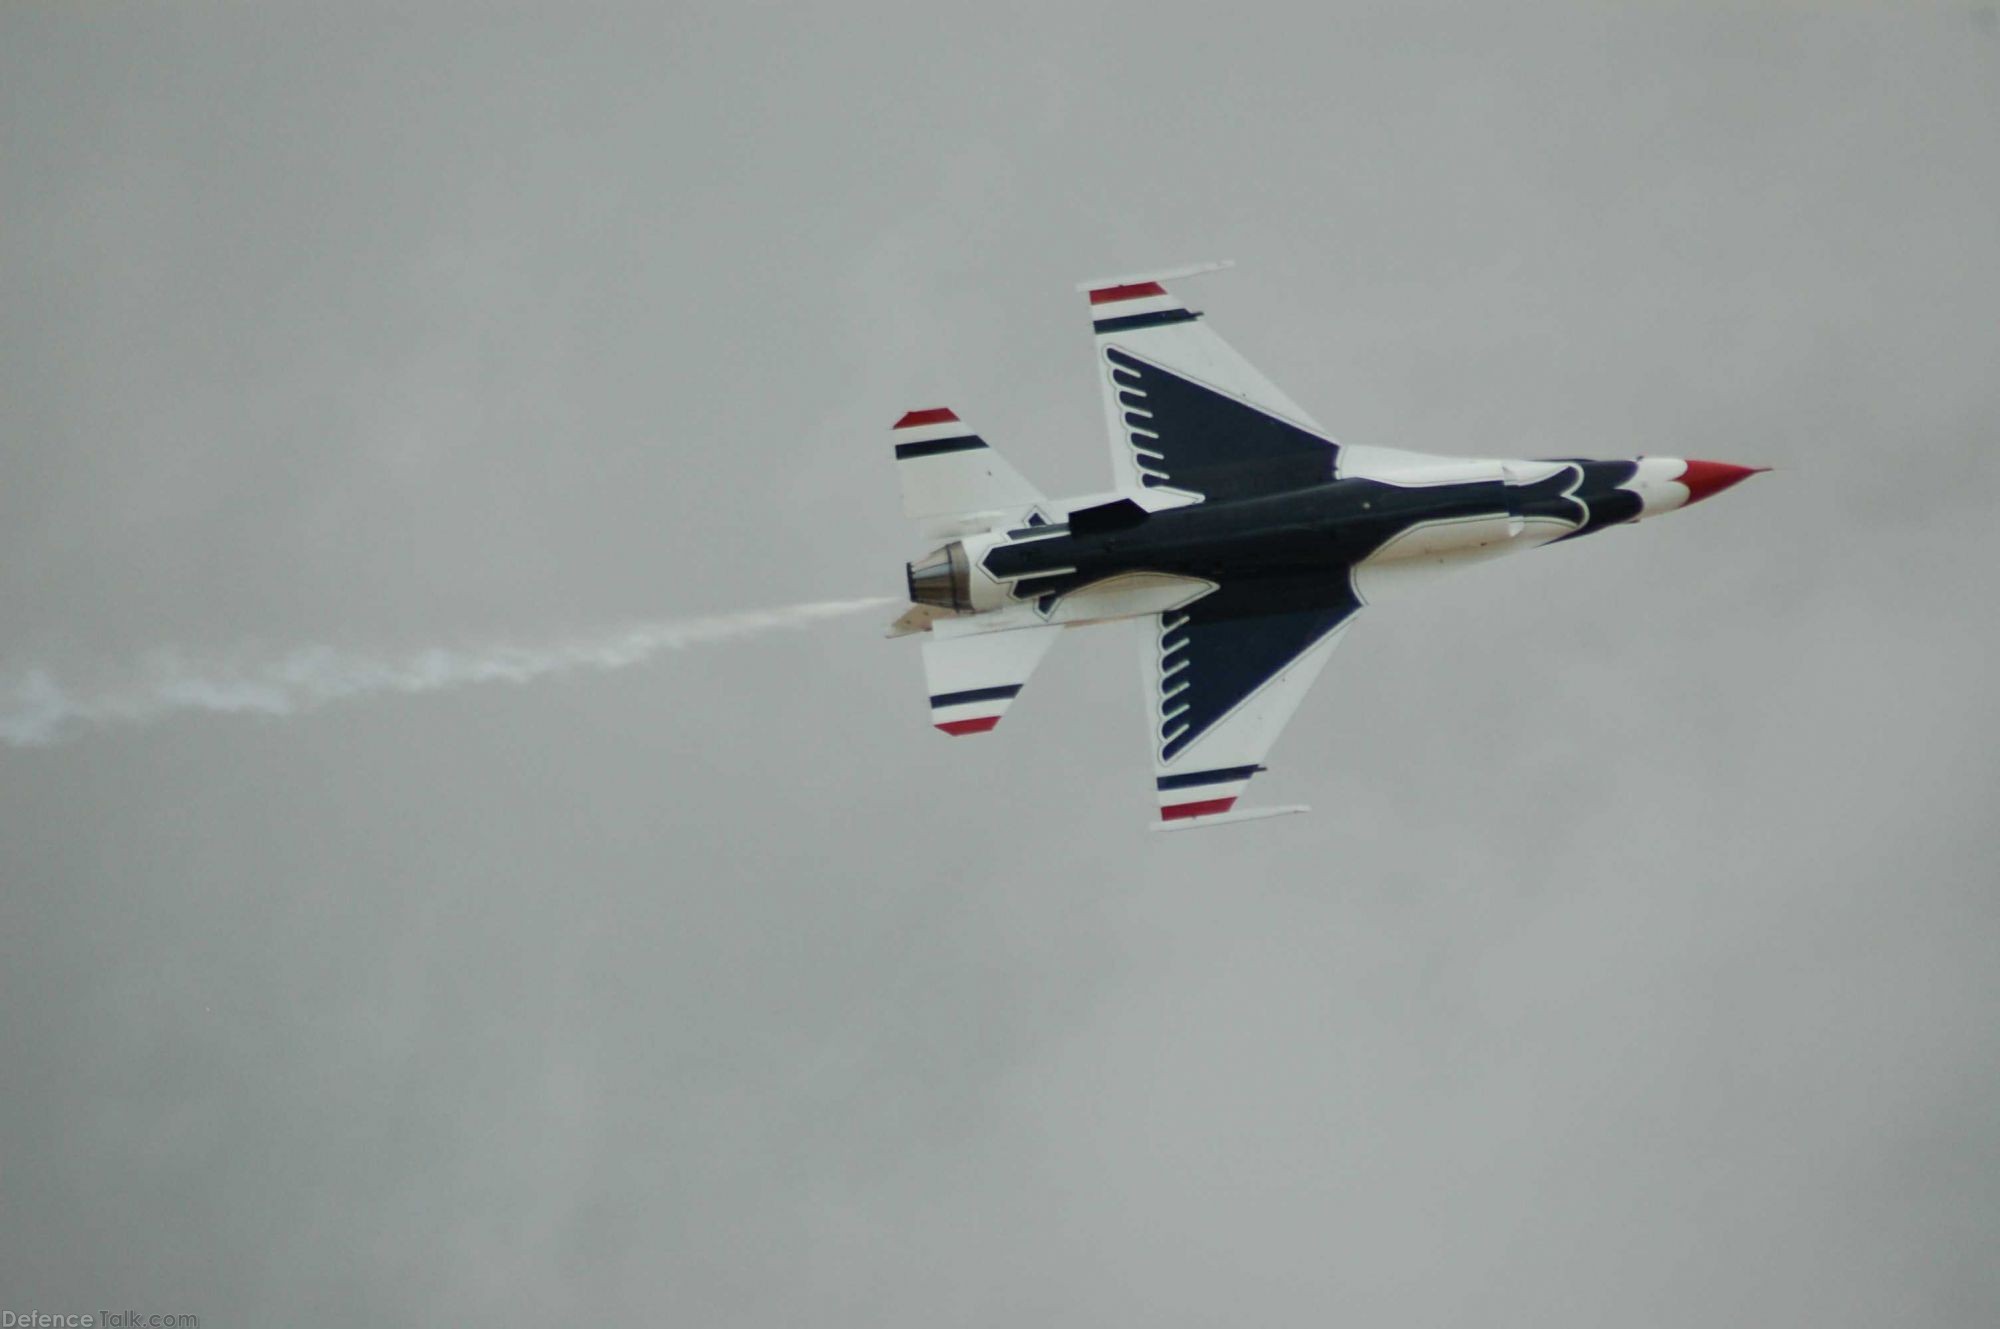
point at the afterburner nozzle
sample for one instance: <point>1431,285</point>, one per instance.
<point>942,579</point>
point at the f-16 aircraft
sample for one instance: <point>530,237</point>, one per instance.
<point>1244,535</point>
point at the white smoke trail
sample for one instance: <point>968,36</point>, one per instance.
<point>36,710</point>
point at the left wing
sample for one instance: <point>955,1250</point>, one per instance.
<point>1224,676</point>
<point>1189,417</point>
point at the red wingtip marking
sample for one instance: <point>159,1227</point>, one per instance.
<point>936,416</point>
<point>1704,478</point>
<point>1105,295</point>
<point>1181,810</point>
<point>979,726</point>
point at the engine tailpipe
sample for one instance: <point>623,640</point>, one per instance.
<point>943,579</point>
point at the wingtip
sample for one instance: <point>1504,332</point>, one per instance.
<point>936,415</point>
<point>1228,818</point>
<point>1158,275</point>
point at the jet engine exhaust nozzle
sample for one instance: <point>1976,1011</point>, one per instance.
<point>943,579</point>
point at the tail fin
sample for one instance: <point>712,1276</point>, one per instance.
<point>973,679</point>
<point>952,481</point>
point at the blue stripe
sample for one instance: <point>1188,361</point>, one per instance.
<point>974,694</point>
<point>965,443</point>
<point>1193,778</point>
<point>1133,322</point>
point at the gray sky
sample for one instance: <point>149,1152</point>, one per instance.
<point>1635,967</point>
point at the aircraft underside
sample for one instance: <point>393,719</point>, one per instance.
<point>1249,538</point>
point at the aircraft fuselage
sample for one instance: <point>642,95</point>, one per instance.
<point>1301,546</point>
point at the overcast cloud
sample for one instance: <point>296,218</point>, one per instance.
<point>1635,967</point>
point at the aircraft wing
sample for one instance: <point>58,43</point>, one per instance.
<point>1190,418</point>
<point>1223,677</point>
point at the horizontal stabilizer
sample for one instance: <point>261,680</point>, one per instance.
<point>974,679</point>
<point>949,471</point>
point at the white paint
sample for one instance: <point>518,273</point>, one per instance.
<point>999,659</point>
<point>955,492</point>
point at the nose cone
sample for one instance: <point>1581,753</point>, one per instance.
<point>1703,478</point>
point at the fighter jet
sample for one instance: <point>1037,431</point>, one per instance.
<point>1238,529</point>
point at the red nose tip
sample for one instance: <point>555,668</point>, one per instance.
<point>1703,478</point>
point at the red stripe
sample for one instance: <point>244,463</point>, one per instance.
<point>1105,295</point>
<point>979,726</point>
<point>1180,810</point>
<point>936,416</point>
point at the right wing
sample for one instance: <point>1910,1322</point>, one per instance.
<point>1224,676</point>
